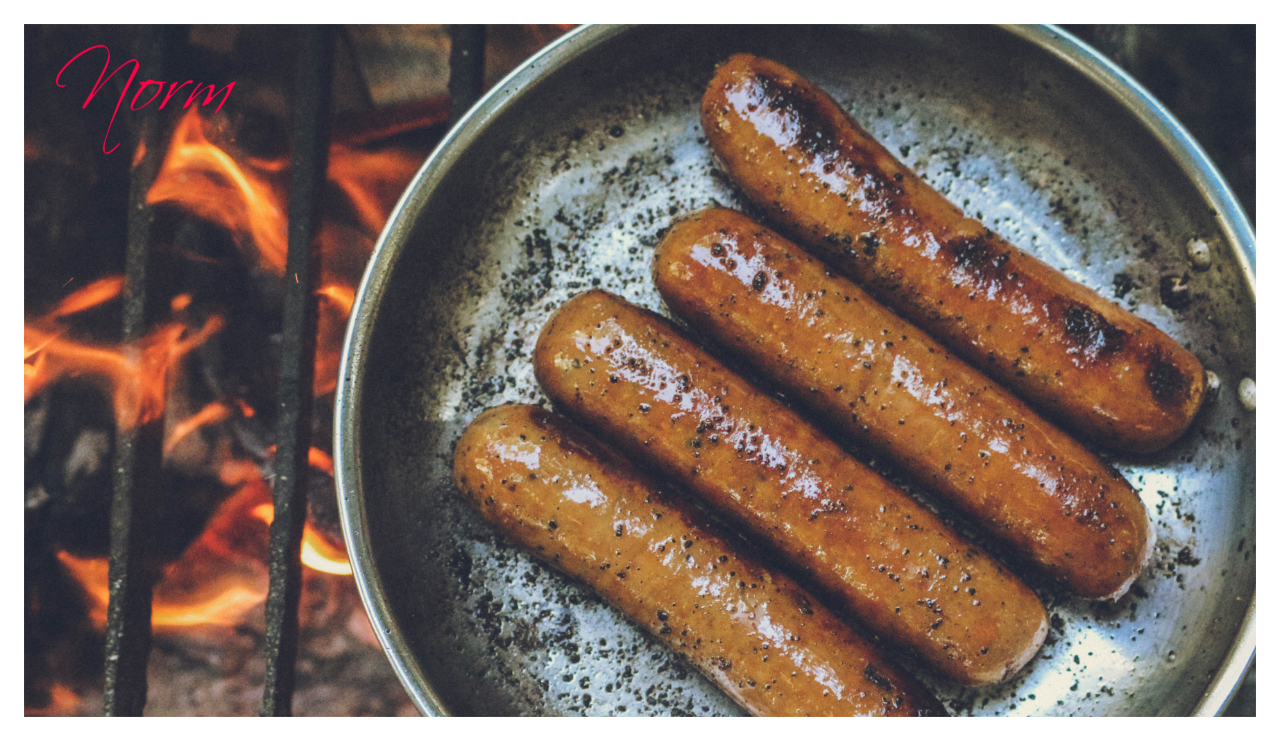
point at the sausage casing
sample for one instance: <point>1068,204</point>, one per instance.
<point>1084,360</point>
<point>891,386</point>
<point>557,492</point>
<point>630,374</point>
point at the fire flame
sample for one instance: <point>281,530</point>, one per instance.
<point>222,575</point>
<point>135,376</point>
<point>203,179</point>
<point>371,180</point>
<point>221,578</point>
<point>62,701</point>
<point>97,292</point>
<point>316,551</point>
<point>210,415</point>
<point>245,198</point>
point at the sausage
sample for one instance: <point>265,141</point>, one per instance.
<point>893,388</point>
<point>560,494</point>
<point>1112,377</point>
<point>630,374</point>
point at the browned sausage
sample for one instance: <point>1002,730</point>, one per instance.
<point>557,492</point>
<point>1103,371</point>
<point>904,572</point>
<point>851,360</point>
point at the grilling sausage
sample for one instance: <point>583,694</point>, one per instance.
<point>630,374</point>
<point>1111,376</point>
<point>892,387</point>
<point>776,651</point>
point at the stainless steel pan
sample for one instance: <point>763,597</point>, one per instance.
<point>563,177</point>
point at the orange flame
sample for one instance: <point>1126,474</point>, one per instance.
<point>342,296</point>
<point>97,292</point>
<point>222,575</point>
<point>371,180</point>
<point>210,415</point>
<point>321,460</point>
<point>219,579</point>
<point>202,178</point>
<point>136,376</point>
<point>62,701</point>
<point>317,553</point>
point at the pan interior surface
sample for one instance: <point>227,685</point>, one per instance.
<point>569,175</point>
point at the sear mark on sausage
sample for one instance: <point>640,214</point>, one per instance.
<point>877,678</point>
<point>1090,332</point>
<point>813,134</point>
<point>978,256</point>
<point>1169,384</point>
<point>870,241</point>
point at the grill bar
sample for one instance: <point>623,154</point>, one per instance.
<point>136,466</point>
<point>466,68</point>
<point>306,178</point>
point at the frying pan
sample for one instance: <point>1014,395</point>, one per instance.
<point>564,176</point>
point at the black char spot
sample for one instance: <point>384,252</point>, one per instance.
<point>813,134</point>
<point>1091,332</point>
<point>978,256</point>
<point>877,678</point>
<point>1168,382</point>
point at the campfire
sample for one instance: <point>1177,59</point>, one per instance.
<point>206,370</point>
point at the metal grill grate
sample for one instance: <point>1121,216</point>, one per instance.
<point>133,568</point>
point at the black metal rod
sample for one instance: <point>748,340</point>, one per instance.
<point>306,178</point>
<point>466,68</point>
<point>136,467</point>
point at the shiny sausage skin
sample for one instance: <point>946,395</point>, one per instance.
<point>630,374</point>
<point>1113,377</point>
<point>847,358</point>
<point>560,494</point>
